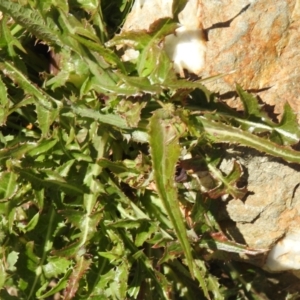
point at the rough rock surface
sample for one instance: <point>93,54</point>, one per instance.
<point>272,208</point>
<point>145,12</point>
<point>259,40</point>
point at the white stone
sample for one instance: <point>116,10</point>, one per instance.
<point>285,255</point>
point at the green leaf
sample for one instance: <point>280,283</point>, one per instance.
<point>64,169</point>
<point>32,223</point>
<point>32,259</point>
<point>31,20</point>
<point>130,110</point>
<point>178,6</point>
<point>88,226</point>
<point>220,242</point>
<point>45,118</point>
<point>133,173</point>
<point>61,284</point>
<point>73,216</point>
<point>287,132</point>
<point>172,251</point>
<point>41,98</point>
<point>118,286</point>
<point>224,133</point>
<point>144,232</point>
<point>228,183</point>
<point>3,274</point>
<point>38,180</point>
<point>252,109</point>
<point>71,250</point>
<point>42,147</point>
<point>78,271</point>
<point>108,55</point>
<point>165,152</point>
<point>56,266</point>
<point>288,128</point>
<point>17,151</point>
<point>11,42</point>
<point>11,260</point>
<point>8,185</point>
<point>4,103</point>
<point>110,119</point>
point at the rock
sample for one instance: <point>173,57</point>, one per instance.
<point>269,216</point>
<point>145,12</point>
<point>259,40</point>
<point>285,255</point>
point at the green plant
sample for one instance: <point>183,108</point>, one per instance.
<point>90,204</point>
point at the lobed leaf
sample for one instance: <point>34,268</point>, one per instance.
<point>165,152</point>
<point>227,185</point>
<point>31,20</point>
<point>78,271</point>
<point>224,133</point>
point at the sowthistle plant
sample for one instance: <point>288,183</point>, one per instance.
<point>92,204</point>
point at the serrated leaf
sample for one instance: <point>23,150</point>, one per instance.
<point>32,223</point>
<point>108,55</point>
<point>39,198</point>
<point>42,147</point>
<point>130,172</point>
<point>31,20</point>
<point>38,180</point>
<point>287,132</point>
<point>78,271</point>
<point>88,226</point>
<point>252,109</point>
<point>32,259</point>
<point>56,266</point>
<point>61,284</point>
<point>4,103</point>
<point>136,86</point>
<point>212,282</point>
<point>65,168</point>
<point>220,242</point>
<point>40,97</point>
<point>3,274</point>
<point>227,185</point>
<point>126,223</point>
<point>144,232</point>
<point>288,128</point>
<point>73,216</point>
<point>110,119</point>
<point>130,110</point>
<point>118,286</point>
<point>16,152</point>
<point>224,133</point>
<point>71,250</point>
<point>162,69</point>
<point>152,53</point>
<point>172,251</point>
<point>8,185</point>
<point>12,42</point>
<point>11,260</point>
<point>165,152</point>
<point>45,118</point>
